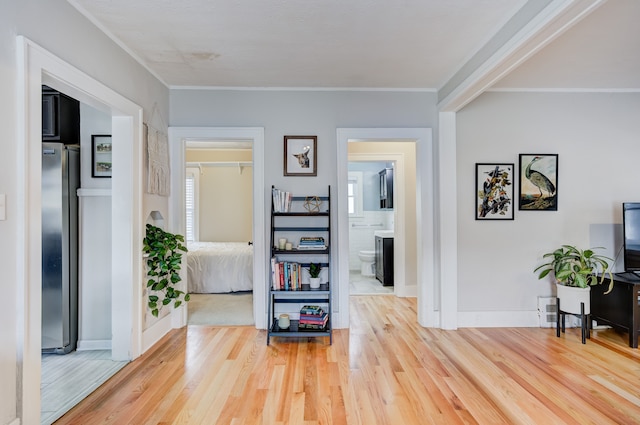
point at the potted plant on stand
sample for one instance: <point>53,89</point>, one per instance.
<point>575,271</point>
<point>314,275</point>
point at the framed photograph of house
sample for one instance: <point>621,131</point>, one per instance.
<point>494,191</point>
<point>538,182</point>
<point>300,156</point>
<point>101,155</point>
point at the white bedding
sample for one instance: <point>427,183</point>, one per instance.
<point>219,267</point>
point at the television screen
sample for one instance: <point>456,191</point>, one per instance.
<point>631,231</point>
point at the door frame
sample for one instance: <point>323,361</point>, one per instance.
<point>37,66</point>
<point>178,138</point>
<point>428,315</point>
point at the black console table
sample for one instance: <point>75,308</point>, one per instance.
<point>620,308</point>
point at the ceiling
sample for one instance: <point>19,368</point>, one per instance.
<point>361,44</point>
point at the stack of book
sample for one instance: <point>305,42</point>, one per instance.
<point>312,242</point>
<point>281,200</point>
<point>313,317</point>
<point>286,275</point>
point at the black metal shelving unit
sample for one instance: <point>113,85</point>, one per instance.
<point>294,223</point>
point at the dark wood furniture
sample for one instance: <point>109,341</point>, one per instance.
<point>620,308</point>
<point>60,117</point>
<point>386,188</point>
<point>384,260</point>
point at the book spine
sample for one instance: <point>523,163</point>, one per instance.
<point>274,282</point>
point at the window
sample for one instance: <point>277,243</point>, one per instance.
<point>354,194</point>
<point>191,203</point>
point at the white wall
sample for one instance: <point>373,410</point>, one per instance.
<point>316,113</point>
<point>225,199</point>
<point>60,29</point>
<point>94,305</point>
<point>596,138</point>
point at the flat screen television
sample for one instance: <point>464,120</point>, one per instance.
<point>631,236</point>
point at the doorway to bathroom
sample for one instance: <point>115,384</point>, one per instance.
<point>368,222</point>
<point>381,219</point>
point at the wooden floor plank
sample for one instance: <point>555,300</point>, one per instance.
<point>385,370</point>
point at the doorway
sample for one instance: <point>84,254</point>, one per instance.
<point>368,223</point>
<point>41,67</point>
<point>424,287</point>
<point>383,227</point>
<point>179,138</point>
<point>219,232</point>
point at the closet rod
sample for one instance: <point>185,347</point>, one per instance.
<point>220,164</point>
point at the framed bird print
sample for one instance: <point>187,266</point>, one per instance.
<point>494,191</point>
<point>538,182</point>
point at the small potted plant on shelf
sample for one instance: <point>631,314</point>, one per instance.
<point>575,271</point>
<point>314,275</point>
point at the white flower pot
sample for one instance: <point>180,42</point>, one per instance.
<point>570,298</point>
<point>314,282</point>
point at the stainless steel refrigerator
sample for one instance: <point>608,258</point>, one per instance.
<point>60,181</point>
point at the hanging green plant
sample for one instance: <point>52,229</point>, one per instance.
<point>164,256</point>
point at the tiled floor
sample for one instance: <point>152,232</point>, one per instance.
<point>67,379</point>
<point>361,285</point>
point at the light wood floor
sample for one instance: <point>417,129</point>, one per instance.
<point>384,370</point>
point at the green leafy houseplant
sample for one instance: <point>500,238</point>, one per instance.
<point>164,256</point>
<point>572,266</point>
<point>314,270</point>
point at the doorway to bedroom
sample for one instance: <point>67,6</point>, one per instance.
<point>219,232</point>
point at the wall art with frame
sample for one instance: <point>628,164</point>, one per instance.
<point>494,191</point>
<point>101,155</point>
<point>538,182</point>
<point>300,157</point>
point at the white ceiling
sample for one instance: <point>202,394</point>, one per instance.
<point>400,44</point>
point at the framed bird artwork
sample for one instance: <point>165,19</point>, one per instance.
<point>538,182</point>
<point>494,191</point>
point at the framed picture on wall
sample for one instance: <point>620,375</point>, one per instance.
<point>300,156</point>
<point>494,191</point>
<point>101,155</point>
<point>538,182</point>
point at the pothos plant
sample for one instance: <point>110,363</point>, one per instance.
<point>164,256</point>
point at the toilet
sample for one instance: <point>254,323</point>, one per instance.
<point>367,261</point>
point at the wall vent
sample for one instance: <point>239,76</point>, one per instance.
<point>547,312</point>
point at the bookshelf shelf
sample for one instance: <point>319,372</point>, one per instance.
<point>289,287</point>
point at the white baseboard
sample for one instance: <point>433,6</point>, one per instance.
<point>498,319</point>
<point>16,421</point>
<point>94,344</point>
<point>410,291</point>
<point>153,334</point>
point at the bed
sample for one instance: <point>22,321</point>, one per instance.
<point>219,267</point>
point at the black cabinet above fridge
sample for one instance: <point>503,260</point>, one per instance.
<point>60,117</point>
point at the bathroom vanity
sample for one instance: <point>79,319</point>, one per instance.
<point>384,256</point>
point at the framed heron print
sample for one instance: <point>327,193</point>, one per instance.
<point>494,191</point>
<point>538,182</point>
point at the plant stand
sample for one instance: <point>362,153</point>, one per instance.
<point>576,303</point>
